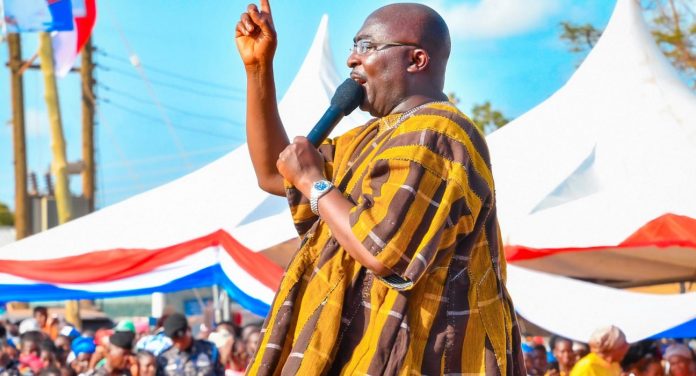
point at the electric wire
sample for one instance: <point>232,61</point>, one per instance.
<point>169,106</point>
<point>172,74</point>
<point>171,85</point>
<point>150,89</point>
<point>159,120</point>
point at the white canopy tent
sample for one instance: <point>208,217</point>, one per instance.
<point>597,181</point>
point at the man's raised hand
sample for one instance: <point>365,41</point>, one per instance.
<point>255,36</point>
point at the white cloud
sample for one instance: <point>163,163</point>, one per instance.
<point>496,18</point>
<point>36,122</point>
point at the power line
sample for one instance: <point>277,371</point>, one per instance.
<point>148,85</point>
<point>117,147</point>
<point>172,74</point>
<point>170,85</point>
<point>158,120</point>
<point>168,157</point>
<point>170,107</point>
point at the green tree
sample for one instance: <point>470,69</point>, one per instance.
<point>673,26</point>
<point>6,216</point>
<point>579,38</point>
<point>485,117</point>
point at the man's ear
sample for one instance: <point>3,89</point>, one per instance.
<point>419,60</point>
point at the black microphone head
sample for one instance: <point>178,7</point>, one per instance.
<point>348,96</point>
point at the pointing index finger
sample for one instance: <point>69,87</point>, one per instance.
<point>265,6</point>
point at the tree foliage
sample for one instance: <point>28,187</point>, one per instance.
<point>579,38</point>
<point>485,117</point>
<point>6,216</point>
<point>673,26</point>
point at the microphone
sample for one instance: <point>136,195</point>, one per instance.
<point>347,98</point>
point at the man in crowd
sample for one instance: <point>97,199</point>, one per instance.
<point>409,229</point>
<point>681,360</point>
<point>187,356</point>
<point>147,363</point>
<point>540,360</point>
<point>117,356</point>
<point>608,346</point>
<point>82,349</point>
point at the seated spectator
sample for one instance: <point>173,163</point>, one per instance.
<point>62,344</point>
<point>539,360</point>
<point>643,359</point>
<point>562,349</point>
<point>47,325</point>
<point>187,355</point>
<point>608,346</point>
<point>47,354</point>
<point>147,363</point>
<point>528,354</point>
<point>225,342</point>
<point>29,360</point>
<point>117,356</point>
<point>680,359</point>
<point>647,366</point>
<point>82,350</point>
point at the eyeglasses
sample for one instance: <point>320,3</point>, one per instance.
<point>364,46</point>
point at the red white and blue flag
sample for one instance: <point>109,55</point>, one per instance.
<point>68,44</point>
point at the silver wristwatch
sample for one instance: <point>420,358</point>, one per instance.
<point>319,189</point>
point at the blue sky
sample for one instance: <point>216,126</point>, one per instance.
<point>505,51</point>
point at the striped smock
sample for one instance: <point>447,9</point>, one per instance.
<point>425,207</point>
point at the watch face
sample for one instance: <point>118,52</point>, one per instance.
<point>321,185</point>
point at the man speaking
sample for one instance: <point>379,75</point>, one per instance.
<point>401,269</point>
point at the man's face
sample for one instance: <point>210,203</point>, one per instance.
<point>147,366</point>
<point>117,357</point>
<point>81,363</point>
<point>184,341</point>
<point>680,366</point>
<point>539,361</point>
<point>563,352</point>
<point>381,70</point>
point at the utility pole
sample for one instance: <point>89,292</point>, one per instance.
<point>88,101</point>
<point>59,164</point>
<point>19,138</point>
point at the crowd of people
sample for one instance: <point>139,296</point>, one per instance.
<point>607,353</point>
<point>39,346</point>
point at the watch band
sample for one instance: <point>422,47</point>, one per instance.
<point>319,189</point>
